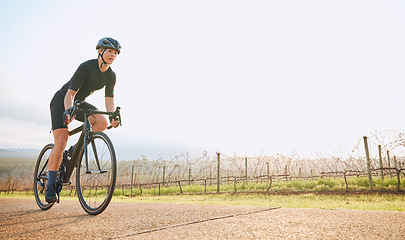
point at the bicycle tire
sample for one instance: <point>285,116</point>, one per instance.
<point>41,177</point>
<point>93,200</point>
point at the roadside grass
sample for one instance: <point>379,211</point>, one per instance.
<point>290,194</point>
<point>380,202</point>
<point>323,193</point>
<point>370,201</point>
<point>30,195</point>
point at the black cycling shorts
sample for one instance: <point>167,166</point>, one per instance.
<point>57,110</point>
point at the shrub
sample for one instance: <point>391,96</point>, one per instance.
<point>330,183</point>
<point>322,187</point>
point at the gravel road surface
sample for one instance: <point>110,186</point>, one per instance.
<point>22,219</point>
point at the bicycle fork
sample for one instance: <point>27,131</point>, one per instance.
<point>96,158</point>
<point>89,138</point>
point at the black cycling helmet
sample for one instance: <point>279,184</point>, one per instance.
<point>110,43</point>
<point>107,43</point>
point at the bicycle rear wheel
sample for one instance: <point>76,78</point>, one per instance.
<point>41,177</point>
<point>95,185</point>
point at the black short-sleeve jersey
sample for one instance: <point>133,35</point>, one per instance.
<point>88,78</point>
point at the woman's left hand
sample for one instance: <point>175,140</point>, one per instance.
<point>114,123</point>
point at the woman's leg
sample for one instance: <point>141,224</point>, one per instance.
<point>98,123</point>
<point>60,136</point>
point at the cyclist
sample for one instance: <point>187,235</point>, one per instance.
<point>90,76</point>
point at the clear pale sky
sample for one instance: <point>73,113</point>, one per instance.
<point>245,77</point>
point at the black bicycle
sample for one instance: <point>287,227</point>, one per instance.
<point>95,162</point>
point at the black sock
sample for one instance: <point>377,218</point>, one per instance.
<point>52,177</point>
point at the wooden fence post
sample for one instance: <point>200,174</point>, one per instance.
<point>399,179</point>
<point>218,171</point>
<point>381,162</point>
<point>181,191</point>
<point>270,182</point>
<point>347,187</point>
<point>189,176</point>
<point>395,162</point>
<point>164,171</point>
<point>132,179</point>
<point>370,178</point>
<point>246,171</point>
<point>389,163</point>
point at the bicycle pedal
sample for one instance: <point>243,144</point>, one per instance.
<point>67,183</point>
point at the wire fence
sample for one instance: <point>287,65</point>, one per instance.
<point>218,169</point>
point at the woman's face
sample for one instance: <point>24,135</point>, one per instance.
<point>109,55</point>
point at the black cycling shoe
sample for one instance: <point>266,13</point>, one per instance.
<point>50,193</point>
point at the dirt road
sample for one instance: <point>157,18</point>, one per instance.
<point>22,219</point>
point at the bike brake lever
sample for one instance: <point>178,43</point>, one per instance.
<point>116,115</point>
<point>71,111</point>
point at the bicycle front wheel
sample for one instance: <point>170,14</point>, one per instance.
<point>95,185</point>
<point>41,177</point>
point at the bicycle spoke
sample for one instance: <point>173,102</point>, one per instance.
<point>93,176</point>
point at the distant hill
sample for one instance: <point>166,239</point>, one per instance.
<point>18,153</point>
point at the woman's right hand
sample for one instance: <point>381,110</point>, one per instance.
<point>67,116</point>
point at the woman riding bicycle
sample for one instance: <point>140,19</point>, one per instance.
<point>90,76</point>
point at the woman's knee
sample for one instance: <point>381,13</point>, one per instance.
<point>60,142</point>
<point>60,145</point>
<point>60,138</point>
<point>100,123</point>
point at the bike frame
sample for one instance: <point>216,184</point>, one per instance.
<point>81,146</point>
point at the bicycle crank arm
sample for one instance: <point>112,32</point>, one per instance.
<point>40,183</point>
